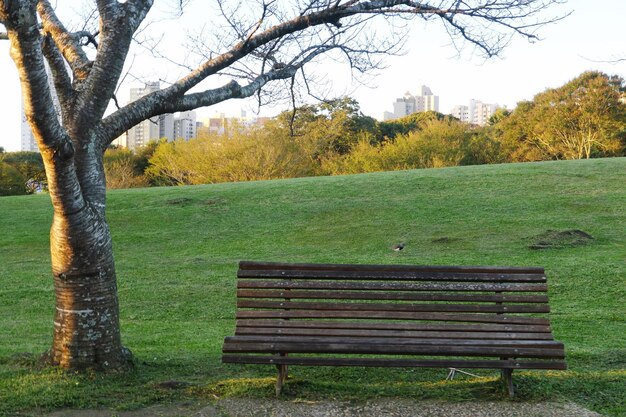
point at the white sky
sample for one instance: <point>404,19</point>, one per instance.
<point>596,31</point>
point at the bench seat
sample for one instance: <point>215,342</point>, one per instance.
<point>392,316</point>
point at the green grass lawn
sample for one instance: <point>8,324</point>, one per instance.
<point>177,251</point>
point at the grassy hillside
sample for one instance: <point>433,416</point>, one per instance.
<point>177,251</point>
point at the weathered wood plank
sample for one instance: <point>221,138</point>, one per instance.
<point>392,275</point>
<point>415,326</point>
<point>397,341</point>
<point>389,286</point>
<point>389,315</point>
<point>255,265</point>
<point>464,308</point>
<point>391,349</point>
<point>389,296</point>
<point>389,362</point>
<point>274,331</point>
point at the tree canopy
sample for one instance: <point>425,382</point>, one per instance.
<point>583,118</point>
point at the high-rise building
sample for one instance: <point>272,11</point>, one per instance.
<point>151,129</point>
<point>166,127</point>
<point>222,125</point>
<point>185,125</point>
<point>148,130</point>
<point>28,142</point>
<point>477,112</point>
<point>121,140</point>
<point>425,100</point>
<point>461,112</point>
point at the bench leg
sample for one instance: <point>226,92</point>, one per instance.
<point>282,377</point>
<point>507,376</point>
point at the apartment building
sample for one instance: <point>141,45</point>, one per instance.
<point>477,112</point>
<point>425,100</point>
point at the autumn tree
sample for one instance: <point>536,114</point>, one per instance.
<point>242,155</point>
<point>585,117</point>
<point>29,164</point>
<point>12,182</point>
<point>124,169</point>
<point>434,143</point>
<point>255,46</point>
<point>333,126</point>
<point>389,129</point>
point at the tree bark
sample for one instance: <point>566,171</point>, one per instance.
<point>86,322</point>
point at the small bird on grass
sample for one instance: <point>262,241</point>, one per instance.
<point>398,247</point>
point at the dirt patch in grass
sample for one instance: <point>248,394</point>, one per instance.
<point>556,239</point>
<point>397,407</point>
<point>184,201</point>
<point>444,240</point>
<point>212,201</point>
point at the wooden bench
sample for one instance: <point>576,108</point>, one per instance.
<point>392,316</point>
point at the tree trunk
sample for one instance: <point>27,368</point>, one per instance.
<point>86,320</point>
<point>86,323</point>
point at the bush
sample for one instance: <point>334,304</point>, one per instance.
<point>242,156</point>
<point>12,182</point>
<point>30,168</point>
<point>123,169</point>
<point>438,143</point>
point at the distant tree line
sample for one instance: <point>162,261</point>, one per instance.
<point>585,118</point>
<point>21,173</point>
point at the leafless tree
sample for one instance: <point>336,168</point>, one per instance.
<point>266,41</point>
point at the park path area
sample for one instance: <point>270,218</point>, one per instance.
<point>244,407</point>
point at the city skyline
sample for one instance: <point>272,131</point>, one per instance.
<point>583,41</point>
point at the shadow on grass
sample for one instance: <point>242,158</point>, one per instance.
<point>487,388</point>
<point>25,387</point>
<point>601,391</point>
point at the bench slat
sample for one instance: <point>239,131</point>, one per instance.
<point>395,296</point>
<point>391,349</point>
<point>389,333</point>
<point>392,275</point>
<point>437,326</point>
<point>389,315</point>
<point>391,286</point>
<point>388,362</point>
<point>255,265</point>
<point>397,341</point>
<point>465,308</point>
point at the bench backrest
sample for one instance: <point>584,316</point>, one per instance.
<point>300,299</point>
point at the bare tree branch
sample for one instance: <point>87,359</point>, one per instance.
<point>107,8</point>
<point>266,45</point>
<point>116,124</point>
<point>294,108</point>
<point>62,80</point>
<point>116,35</point>
<point>603,61</point>
<point>68,45</point>
<point>53,141</point>
<point>90,38</point>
